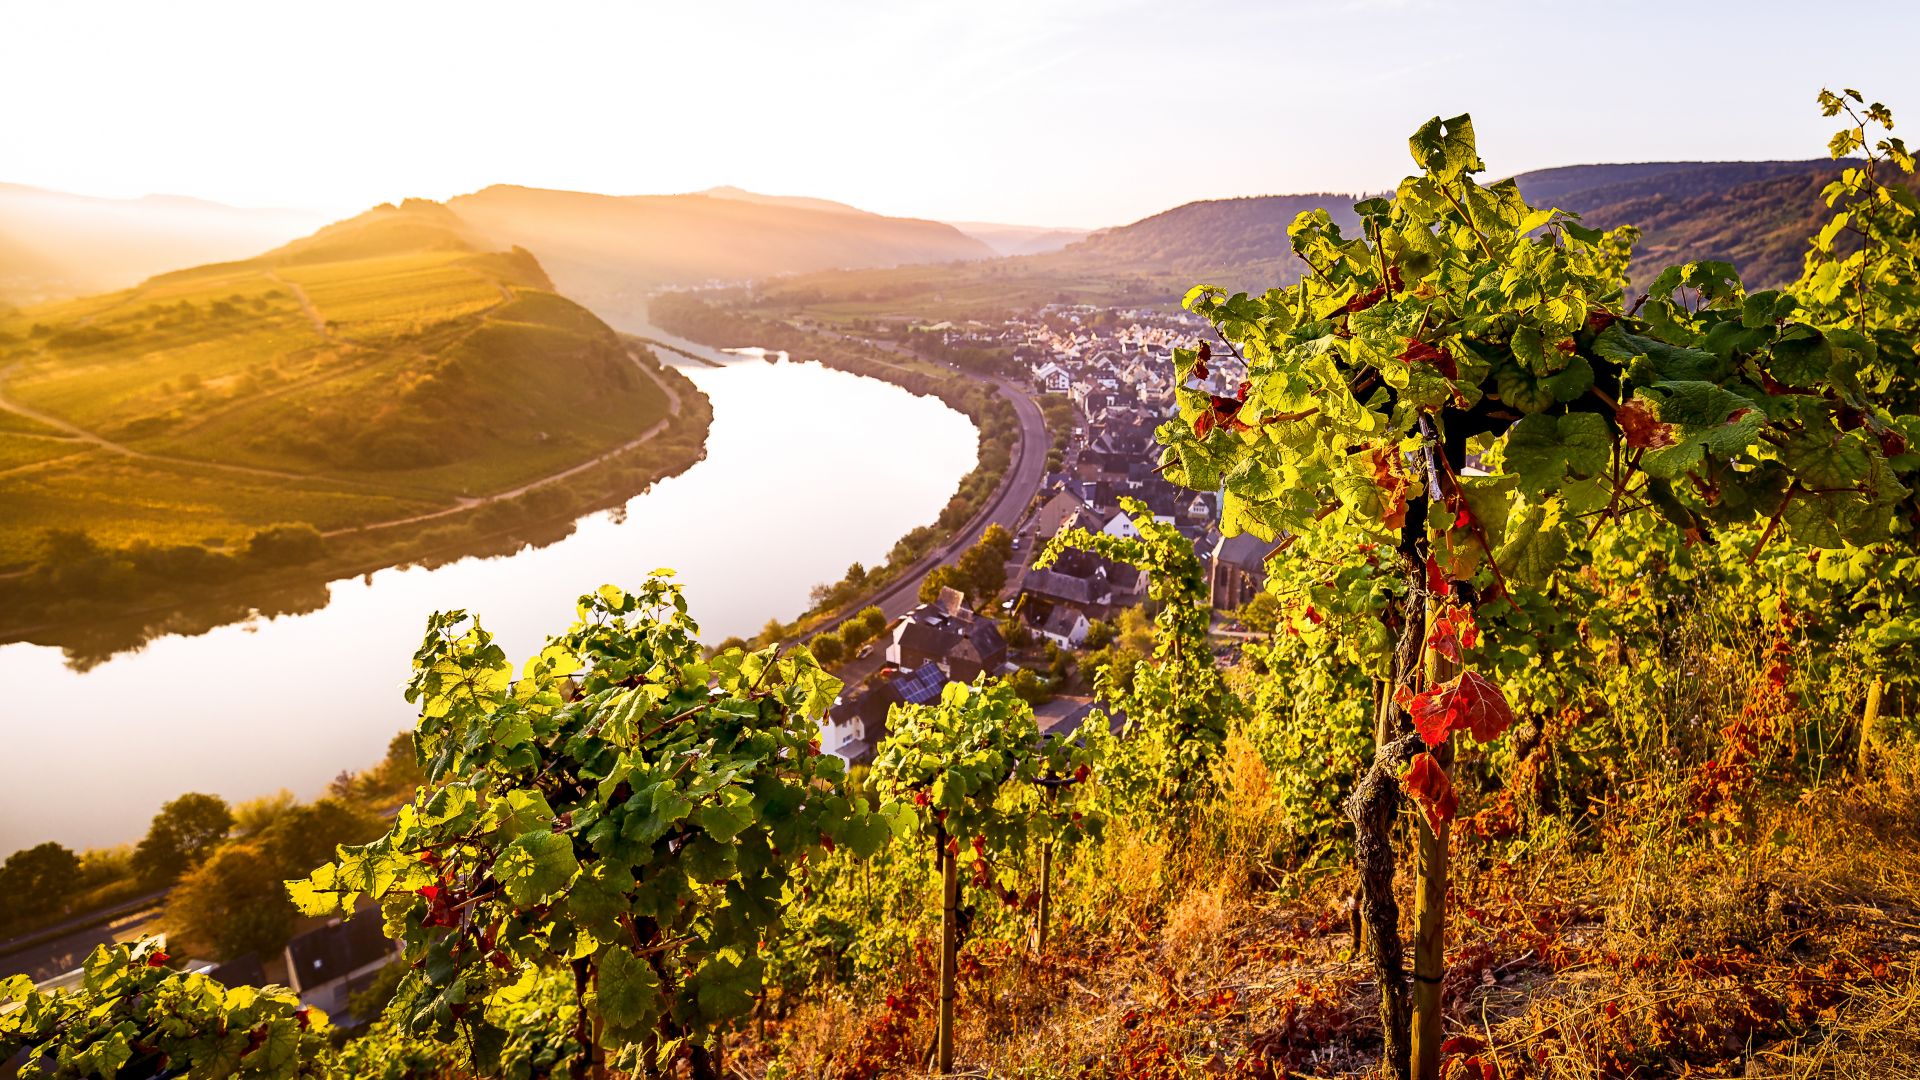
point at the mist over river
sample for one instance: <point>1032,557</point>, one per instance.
<point>807,470</point>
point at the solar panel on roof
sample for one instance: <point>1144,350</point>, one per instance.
<point>921,686</point>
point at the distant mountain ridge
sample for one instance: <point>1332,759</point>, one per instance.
<point>1754,214</point>
<point>55,244</point>
<point>1021,239</point>
<point>610,251</point>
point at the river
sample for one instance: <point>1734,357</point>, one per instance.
<point>807,470</point>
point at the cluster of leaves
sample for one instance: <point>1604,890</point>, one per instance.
<point>1467,384</point>
<point>625,815</point>
<point>972,768</point>
<point>1177,706</point>
<point>132,1012</point>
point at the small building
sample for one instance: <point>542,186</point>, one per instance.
<point>946,633</point>
<point>857,723</point>
<point>328,964</point>
<point>1065,626</point>
<point>1238,571</point>
<point>1053,378</point>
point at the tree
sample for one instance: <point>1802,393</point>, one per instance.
<point>39,880</point>
<point>984,566</point>
<point>181,836</point>
<point>286,545</point>
<point>252,817</point>
<point>873,620</point>
<point>1259,614</point>
<point>303,837</point>
<point>231,905</point>
<point>941,577</point>
<point>827,647</point>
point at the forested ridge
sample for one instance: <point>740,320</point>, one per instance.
<point>1582,743</point>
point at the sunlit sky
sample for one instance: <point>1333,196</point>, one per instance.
<point>1020,111</point>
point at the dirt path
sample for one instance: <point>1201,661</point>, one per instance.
<point>471,502</point>
<point>306,304</point>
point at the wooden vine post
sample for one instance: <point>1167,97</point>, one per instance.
<point>949,949</point>
<point>1869,717</point>
<point>1046,898</point>
<point>1430,899</point>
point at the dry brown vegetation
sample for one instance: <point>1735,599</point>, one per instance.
<point>1643,946</point>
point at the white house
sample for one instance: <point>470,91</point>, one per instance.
<point>840,729</point>
<point>1065,626</point>
<point>1053,378</point>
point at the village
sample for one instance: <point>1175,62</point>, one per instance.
<point>1105,380</point>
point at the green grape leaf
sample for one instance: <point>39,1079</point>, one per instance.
<point>1546,451</point>
<point>1827,459</point>
<point>627,987</point>
<point>536,865</point>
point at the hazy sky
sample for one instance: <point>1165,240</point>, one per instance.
<point>1033,111</point>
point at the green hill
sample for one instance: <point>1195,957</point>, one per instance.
<point>1754,214</point>
<point>609,251</point>
<point>384,367</point>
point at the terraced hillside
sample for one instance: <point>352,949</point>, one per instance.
<point>383,369</point>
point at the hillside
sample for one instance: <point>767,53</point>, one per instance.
<point>610,251</point>
<point>54,244</point>
<point>1754,214</point>
<point>384,367</point>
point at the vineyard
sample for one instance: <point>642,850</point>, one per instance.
<point>1583,744</point>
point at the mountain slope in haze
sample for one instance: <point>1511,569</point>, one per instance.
<point>54,244</point>
<point>384,367</point>
<point>1021,239</point>
<point>1213,237</point>
<point>1756,215</point>
<point>797,202</point>
<point>610,251</point>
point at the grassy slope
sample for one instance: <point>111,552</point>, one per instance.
<point>382,367</point>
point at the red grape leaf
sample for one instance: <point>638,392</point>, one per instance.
<point>1420,352</point>
<point>1466,702</point>
<point>1453,632</point>
<point>1393,488</point>
<point>1365,300</point>
<point>1642,429</point>
<point>1430,786</point>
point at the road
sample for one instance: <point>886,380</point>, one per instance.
<point>58,949</point>
<point>1009,502</point>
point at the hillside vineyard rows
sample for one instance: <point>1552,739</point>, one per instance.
<point>1576,740</point>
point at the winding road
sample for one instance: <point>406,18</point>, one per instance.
<point>1017,489</point>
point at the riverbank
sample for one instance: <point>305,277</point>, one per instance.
<point>95,603</point>
<point>1012,442</point>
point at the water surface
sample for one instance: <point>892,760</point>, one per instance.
<point>807,470</point>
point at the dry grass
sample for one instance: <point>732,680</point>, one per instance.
<point>1789,949</point>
